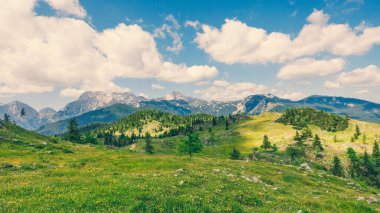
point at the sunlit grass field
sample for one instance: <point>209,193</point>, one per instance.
<point>39,175</point>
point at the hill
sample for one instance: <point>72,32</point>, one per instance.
<point>88,178</point>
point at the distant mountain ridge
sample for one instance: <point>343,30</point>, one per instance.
<point>180,104</point>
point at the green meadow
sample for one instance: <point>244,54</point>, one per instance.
<point>41,174</point>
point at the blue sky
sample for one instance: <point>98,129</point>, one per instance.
<point>235,73</point>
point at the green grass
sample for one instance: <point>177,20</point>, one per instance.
<point>37,175</point>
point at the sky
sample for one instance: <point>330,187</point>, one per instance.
<point>51,51</point>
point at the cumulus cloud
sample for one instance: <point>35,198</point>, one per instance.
<point>236,42</point>
<point>368,76</point>
<point>68,7</point>
<point>194,24</point>
<point>157,87</point>
<point>39,53</point>
<point>170,28</point>
<point>309,67</point>
<point>225,91</point>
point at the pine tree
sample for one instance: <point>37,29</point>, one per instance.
<point>148,144</point>
<point>266,144</point>
<point>337,169</point>
<point>213,121</point>
<point>368,166</point>
<point>317,145</point>
<point>22,114</point>
<point>227,124</point>
<point>375,150</point>
<point>376,154</point>
<point>306,134</point>
<point>193,144</point>
<point>6,118</point>
<point>235,154</point>
<point>357,132</point>
<point>89,138</point>
<point>364,138</point>
<point>297,137</point>
<point>274,148</point>
<point>354,168</point>
<point>73,134</point>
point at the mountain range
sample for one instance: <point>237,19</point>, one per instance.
<point>108,107</point>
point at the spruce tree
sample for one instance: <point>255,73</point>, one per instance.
<point>227,124</point>
<point>368,166</point>
<point>306,134</point>
<point>357,132</point>
<point>364,138</point>
<point>7,118</point>
<point>73,134</point>
<point>193,144</point>
<point>297,137</point>
<point>214,121</point>
<point>22,114</point>
<point>337,169</point>
<point>376,154</point>
<point>148,144</point>
<point>274,148</point>
<point>317,145</point>
<point>266,144</point>
<point>235,154</point>
<point>354,168</point>
<point>375,150</point>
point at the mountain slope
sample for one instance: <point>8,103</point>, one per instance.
<point>31,120</point>
<point>354,108</point>
<point>90,101</point>
<point>180,104</point>
<point>104,115</point>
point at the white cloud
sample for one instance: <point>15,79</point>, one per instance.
<point>68,7</point>
<point>226,91</point>
<point>368,76</point>
<point>318,17</point>
<point>194,24</point>
<point>143,95</point>
<point>157,87</point>
<point>170,28</point>
<point>291,95</point>
<point>363,91</point>
<point>309,67</point>
<point>236,42</point>
<point>39,53</point>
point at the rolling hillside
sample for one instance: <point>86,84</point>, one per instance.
<point>88,178</point>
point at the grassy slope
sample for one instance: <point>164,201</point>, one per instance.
<point>253,130</point>
<point>95,178</point>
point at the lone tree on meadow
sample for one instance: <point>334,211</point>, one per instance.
<point>73,134</point>
<point>148,144</point>
<point>235,154</point>
<point>193,144</point>
<point>266,143</point>
<point>337,168</point>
